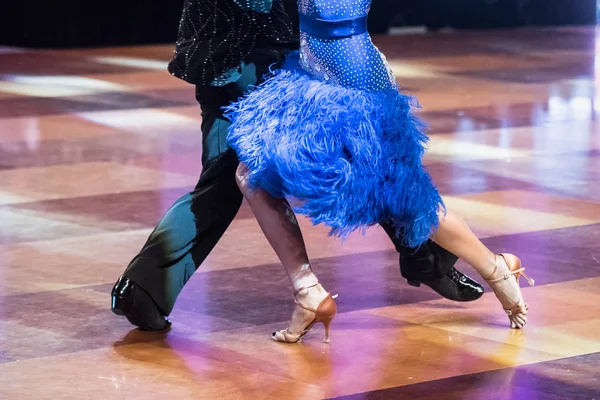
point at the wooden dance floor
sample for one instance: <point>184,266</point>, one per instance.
<point>96,144</point>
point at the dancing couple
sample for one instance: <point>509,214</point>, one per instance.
<point>329,128</point>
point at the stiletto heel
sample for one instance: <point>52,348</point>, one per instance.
<point>517,313</point>
<point>527,278</point>
<point>327,324</point>
<point>324,313</point>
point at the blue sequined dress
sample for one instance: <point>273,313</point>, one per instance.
<point>332,129</point>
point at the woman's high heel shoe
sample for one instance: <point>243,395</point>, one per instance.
<point>324,313</point>
<point>517,313</point>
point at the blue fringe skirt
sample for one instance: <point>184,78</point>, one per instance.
<point>353,157</point>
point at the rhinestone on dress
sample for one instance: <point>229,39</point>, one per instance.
<point>352,61</point>
<point>216,36</point>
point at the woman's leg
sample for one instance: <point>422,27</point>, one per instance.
<point>278,223</point>
<point>455,236</point>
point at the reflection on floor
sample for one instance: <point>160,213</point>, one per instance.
<point>96,144</point>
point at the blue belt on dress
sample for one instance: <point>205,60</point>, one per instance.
<point>328,29</point>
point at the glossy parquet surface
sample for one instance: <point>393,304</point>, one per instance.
<point>96,144</point>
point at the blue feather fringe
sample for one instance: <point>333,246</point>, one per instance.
<point>352,156</point>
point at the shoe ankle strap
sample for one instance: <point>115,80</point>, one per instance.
<point>505,276</point>
<point>305,288</point>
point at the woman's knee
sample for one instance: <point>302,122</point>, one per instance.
<point>241,177</point>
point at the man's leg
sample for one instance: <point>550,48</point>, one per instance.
<point>190,229</point>
<point>181,241</point>
<point>433,266</point>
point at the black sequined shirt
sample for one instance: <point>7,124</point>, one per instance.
<point>216,36</point>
